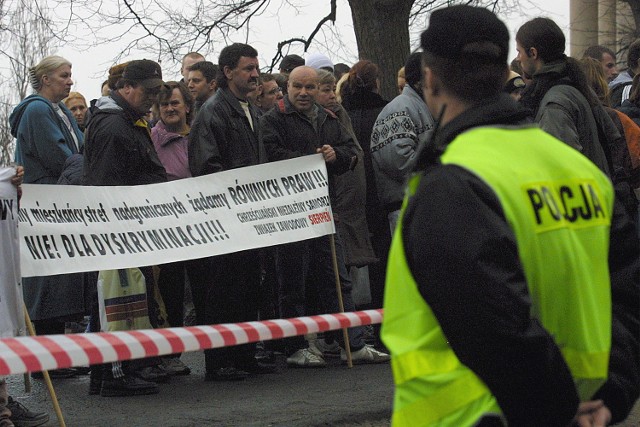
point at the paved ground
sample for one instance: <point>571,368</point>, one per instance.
<point>333,396</point>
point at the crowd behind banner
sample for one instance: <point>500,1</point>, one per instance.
<point>65,229</point>
<point>234,195</point>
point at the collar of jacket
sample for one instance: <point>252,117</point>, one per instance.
<point>549,75</point>
<point>226,95</point>
<point>164,136</point>
<point>501,110</point>
<point>229,97</point>
<point>132,114</point>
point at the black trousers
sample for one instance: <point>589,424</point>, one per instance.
<point>231,298</point>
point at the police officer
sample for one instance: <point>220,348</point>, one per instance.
<point>501,307</point>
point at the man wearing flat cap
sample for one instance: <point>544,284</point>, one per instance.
<point>501,307</point>
<point>122,153</point>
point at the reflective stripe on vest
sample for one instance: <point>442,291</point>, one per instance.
<point>569,209</point>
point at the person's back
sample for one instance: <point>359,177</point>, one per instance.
<point>500,286</point>
<point>566,114</point>
<point>560,98</point>
<point>403,126</point>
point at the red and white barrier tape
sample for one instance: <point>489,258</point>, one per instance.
<point>27,354</point>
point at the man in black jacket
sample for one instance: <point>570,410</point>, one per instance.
<point>122,153</point>
<point>225,136</point>
<point>470,265</point>
<point>295,127</point>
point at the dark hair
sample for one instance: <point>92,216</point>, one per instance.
<point>230,56</point>
<point>363,77</point>
<point>633,55</point>
<point>634,95</point>
<point>167,91</point>
<point>596,52</point>
<point>267,77</point>
<point>413,68</point>
<point>469,81</point>
<point>282,80</point>
<point>340,69</point>
<point>208,69</point>
<point>544,35</point>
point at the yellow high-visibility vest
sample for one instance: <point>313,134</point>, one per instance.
<point>559,206</point>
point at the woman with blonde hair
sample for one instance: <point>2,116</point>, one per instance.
<point>46,136</point>
<point>77,104</point>
<point>46,132</point>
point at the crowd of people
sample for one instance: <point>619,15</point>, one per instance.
<point>510,194</point>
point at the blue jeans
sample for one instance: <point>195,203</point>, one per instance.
<point>306,280</point>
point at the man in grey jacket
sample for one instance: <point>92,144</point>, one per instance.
<point>402,127</point>
<point>560,99</point>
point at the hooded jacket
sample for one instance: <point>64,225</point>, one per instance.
<point>119,150</point>
<point>43,140</point>
<point>563,111</point>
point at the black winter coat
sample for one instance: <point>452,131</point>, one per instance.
<point>221,137</point>
<point>118,147</point>
<point>288,134</point>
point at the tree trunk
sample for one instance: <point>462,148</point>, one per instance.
<point>382,34</point>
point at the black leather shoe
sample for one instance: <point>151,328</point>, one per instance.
<point>56,374</point>
<point>259,368</point>
<point>225,374</point>
<point>23,417</point>
<point>127,386</point>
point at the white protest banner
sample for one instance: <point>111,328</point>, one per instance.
<point>65,229</point>
<point>11,313</point>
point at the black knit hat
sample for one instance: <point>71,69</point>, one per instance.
<point>145,72</point>
<point>453,28</point>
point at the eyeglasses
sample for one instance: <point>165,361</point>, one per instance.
<point>274,91</point>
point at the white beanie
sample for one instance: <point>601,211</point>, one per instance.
<point>318,61</point>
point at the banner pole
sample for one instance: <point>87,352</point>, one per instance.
<point>47,378</point>
<point>345,334</point>
<point>27,383</point>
